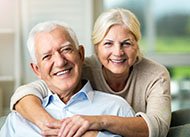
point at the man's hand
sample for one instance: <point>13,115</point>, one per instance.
<point>75,126</point>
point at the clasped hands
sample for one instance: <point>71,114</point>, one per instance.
<point>75,126</point>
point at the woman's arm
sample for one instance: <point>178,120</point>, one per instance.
<point>124,126</point>
<point>36,88</point>
<point>27,101</point>
<point>30,107</point>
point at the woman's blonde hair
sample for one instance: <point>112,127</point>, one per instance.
<point>115,17</point>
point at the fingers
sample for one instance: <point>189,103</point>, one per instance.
<point>65,127</point>
<point>54,125</point>
<point>82,129</point>
<point>74,126</point>
<point>50,132</point>
<point>52,129</point>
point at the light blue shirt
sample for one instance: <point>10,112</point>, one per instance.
<point>85,102</point>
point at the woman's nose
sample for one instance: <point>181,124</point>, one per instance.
<point>118,50</point>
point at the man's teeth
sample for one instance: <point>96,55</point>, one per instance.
<point>118,61</point>
<point>62,72</point>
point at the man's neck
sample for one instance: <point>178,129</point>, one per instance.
<point>67,95</point>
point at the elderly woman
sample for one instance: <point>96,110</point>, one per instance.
<point>117,68</point>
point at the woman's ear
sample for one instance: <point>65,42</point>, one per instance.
<point>81,52</point>
<point>36,70</point>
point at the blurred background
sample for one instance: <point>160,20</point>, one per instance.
<point>165,27</point>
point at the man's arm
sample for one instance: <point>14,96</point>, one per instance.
<point>30,107</point>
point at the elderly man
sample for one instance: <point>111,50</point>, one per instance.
<point>57,59</point>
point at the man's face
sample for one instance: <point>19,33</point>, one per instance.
<point>59,62</point>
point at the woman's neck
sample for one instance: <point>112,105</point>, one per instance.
<point>116,82</point>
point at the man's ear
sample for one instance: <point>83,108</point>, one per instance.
<point>36,70</point>
<point>82,52</point>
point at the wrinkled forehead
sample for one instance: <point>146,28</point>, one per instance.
<point>57,33</point>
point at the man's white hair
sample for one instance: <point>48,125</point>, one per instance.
<point>47,26</point>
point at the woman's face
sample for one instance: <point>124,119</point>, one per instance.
<point>118,50</point>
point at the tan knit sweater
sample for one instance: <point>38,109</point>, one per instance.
<point>147,90</point>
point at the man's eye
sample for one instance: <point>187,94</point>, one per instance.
<point>66,50</point>
<point>46,57</point>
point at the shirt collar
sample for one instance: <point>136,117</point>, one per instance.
<point>86,93</point>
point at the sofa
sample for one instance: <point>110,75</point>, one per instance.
<point>180,124</point>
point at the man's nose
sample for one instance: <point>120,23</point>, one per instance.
<point>59,59</point>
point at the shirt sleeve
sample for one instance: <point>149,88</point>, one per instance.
<point>11,128</point>
<point>125,110</point>
<point>6,130</point>
<point>158,111</point>
<point>37,88</point>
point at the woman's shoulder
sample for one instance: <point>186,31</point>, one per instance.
<point>149,65</point>
<point>91,65</point>
<point>37,83</point>
<point>148,69</point>
<point>91,61</point>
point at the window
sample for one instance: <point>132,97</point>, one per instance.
<point>165,28</point>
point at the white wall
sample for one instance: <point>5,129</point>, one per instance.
<point>77,13</point>
<point>7,52</point>
<point>17,18</point>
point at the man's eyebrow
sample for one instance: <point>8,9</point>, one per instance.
<point>66,44</point>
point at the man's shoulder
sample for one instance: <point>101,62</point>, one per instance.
<point>113,103</point>
<point>11,125</point>
<point>109,97</point>
<point>14,117</point>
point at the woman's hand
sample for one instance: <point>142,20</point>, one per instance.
<point>51,129</point>
<point>75,126</point>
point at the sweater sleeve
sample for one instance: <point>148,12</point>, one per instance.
<point>37,88</point>
<point>158,111</point>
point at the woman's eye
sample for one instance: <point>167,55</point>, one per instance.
<point>126,43</point>
<point>107,44</point>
